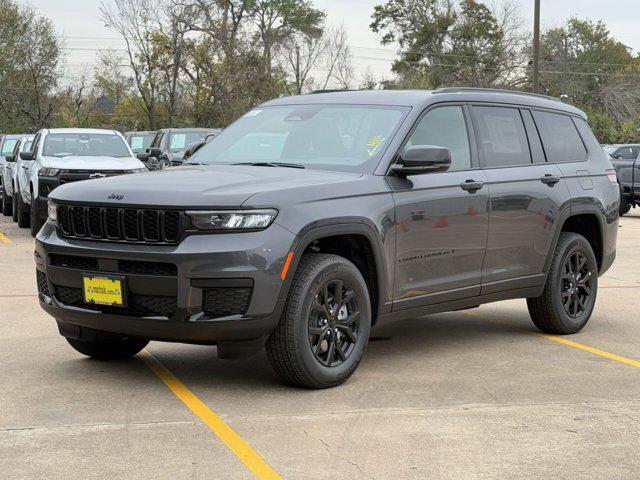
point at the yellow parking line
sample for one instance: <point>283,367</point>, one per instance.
<point>596,351</point>
<point>4,238</point>
<point>231,439</point>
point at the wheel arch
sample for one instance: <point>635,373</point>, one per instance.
<point>358,234</point>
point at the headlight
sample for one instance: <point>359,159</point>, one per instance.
<point>137,170</point>
<point>233,220</point>
<point>52,209</point>
<point>48,172</point>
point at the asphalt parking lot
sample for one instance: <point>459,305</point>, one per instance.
<point>472,394</point>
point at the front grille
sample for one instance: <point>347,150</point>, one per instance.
<point>137,305</point>
<point>131,267</point>
<point>43,287</point>
<point>120,224</point>
<point>222,302</point>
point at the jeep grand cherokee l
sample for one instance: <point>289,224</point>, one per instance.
<point>314,218</point>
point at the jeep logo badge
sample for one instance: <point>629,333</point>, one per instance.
<point>97,175</point>
<point>115,196</point>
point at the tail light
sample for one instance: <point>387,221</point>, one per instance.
<point>613,177</point>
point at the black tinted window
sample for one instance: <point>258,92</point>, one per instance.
<point>445,127</point>
<point>627,153</point>
<point>560,139</point>
<point>502,140</point>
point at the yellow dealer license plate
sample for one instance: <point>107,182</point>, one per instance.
<point>102,290</point>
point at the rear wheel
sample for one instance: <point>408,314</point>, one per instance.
<point>7,205</point>
<point>569,295</point>
<point>324,329</point>
<point>625,205</point>
<point>109,349</point>
<point>23,212</point>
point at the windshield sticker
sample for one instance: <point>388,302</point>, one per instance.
<point>373,144</point>
<point>137,143</point>
<point>252,113</point>
<point>178,141</point>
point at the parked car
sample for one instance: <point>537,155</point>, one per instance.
<point>195,146</point>
<point>65,155</point>
<point>168,146</point>
<point>139,141</point>
<point>11,174</point>
<point>6,147</point>
<point>314,218</point>
<point>625,161</point>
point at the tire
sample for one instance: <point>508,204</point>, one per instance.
<point>7,204</point>
<point>14,208</point>
<point>290,346</point>
<point>109,349</point>
<point>34,217</point>
<point>549,311</point>
<point>625,206</point>
<point>23,212</point>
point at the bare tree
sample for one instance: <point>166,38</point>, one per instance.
<point>299,56</point>
<point>337,59</point>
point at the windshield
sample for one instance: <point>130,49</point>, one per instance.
<point>85,145</point>
<point>8,145</point>
<point>332,137</point>
<point>140,142</point>
<point>178,142</point>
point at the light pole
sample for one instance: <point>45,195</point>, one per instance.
<point>536,47</point>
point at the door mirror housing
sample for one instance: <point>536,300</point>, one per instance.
<point>420,159</point>
<point>10,158</point>
<point>155,152</point>
<point>193,148</point>
<point>27,156</point>
<point>142,156</point>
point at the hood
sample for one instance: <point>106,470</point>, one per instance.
<point>214,186</point>
<point>92,163</point>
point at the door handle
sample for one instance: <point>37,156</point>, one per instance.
<point>471,186</point>
<point>25,167</point>
<point>550,180</point>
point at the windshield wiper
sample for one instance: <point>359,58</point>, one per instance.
<point>271,164</point>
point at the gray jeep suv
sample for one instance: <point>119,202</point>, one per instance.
<point>314,218</point>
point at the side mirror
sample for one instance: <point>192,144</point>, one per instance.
<point>419,159</point>
<point>154,152</point>
<point>143,156</point>
<point>193,148</point>
<point>10,158</point>
<point>27,155</point>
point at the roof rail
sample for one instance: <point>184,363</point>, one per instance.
<point>495,90</point>
<point>331,90</point>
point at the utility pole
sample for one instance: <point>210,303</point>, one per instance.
<point>536,47</point>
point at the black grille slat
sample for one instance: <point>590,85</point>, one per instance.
<point>151,225</point>
<point>120,224</point>
<point>78,224</point>
<point>131,224</point>
<point>225,301</point>
<point>94,222</point>
<point>135,267</point>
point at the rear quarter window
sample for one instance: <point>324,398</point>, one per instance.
<point>560,138</point>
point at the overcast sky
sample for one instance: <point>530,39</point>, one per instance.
<point>78,21</point>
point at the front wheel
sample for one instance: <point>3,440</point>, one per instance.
<point>109,349</point>
<point>34,217</point>
<point>324,329</point>
<point>569,295</point>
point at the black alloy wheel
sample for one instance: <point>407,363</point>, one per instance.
<point>576,284</point>
<point>334,323</point>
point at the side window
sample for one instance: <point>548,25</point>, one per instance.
<point>156,140</point>
<point>560,139</point>
<point>502,139</point>
<point>35,144</point>
<point>627,153</point>
<point>445,127</point>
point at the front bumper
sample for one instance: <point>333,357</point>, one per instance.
<point>169,303</point>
